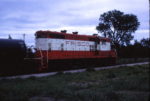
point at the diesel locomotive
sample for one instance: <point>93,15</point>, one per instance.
<point>66,50</point>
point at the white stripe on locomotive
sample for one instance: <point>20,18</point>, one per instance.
<point>70,45</point>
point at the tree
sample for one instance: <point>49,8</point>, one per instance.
<point>145,42</point>
<point>118,26</point>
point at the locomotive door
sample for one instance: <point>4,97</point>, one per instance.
<point>97,41</point>
<point>46,56</point>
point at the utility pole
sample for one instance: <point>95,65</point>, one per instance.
<point>24,35</point>
<point>9,36</point>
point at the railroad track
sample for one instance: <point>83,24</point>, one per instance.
<point>71,71</point>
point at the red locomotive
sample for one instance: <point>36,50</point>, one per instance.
<point>61,48</point>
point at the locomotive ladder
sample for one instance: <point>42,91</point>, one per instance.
<point>43,61</point>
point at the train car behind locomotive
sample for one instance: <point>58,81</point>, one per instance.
<point>61,49</point>
<point>12,54</point>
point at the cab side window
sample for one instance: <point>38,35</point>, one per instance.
<point>49,46</point>
<point>103,42</point>
<point>62,47</point>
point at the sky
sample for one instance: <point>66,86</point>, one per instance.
<point>18,17</point>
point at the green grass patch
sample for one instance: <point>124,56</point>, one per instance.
<point>121,84</point>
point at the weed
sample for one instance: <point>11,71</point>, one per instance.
<point>90,69</point>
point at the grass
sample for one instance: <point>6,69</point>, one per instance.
<point>122,84</point>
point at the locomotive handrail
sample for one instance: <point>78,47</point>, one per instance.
<point>43,60</point>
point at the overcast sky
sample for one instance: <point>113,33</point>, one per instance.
<point>28,16</point>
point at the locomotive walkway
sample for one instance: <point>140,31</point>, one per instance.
<point>71,71</point>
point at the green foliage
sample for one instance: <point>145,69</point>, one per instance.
<point>145,42</point>
<point>118,26</point>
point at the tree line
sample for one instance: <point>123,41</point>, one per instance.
<point>140,49</point>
